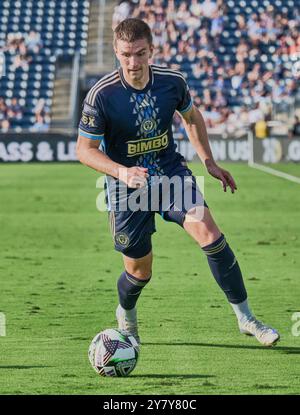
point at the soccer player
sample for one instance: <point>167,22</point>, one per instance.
<point>125,132</point>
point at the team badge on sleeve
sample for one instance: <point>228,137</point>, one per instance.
<point>91,123</point>
<point>89,110</point>
<point>89,115</point>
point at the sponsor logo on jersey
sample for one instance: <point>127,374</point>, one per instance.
<point>88,120</point>
<point>147,145</point>
<point>144,104</point>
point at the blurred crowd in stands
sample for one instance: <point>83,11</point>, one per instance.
<point>241,60</point>
<point>11,110</point>
<point>240,67</point>
<point>22,48</point>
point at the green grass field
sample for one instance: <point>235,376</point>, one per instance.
<point>58,289</point>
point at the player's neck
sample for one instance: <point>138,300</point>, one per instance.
<point>140,84</point>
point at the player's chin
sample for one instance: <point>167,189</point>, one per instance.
<point>136,74</point>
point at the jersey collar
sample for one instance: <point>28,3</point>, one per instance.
<point>130,88</point>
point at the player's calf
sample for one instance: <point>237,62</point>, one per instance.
<point>226,270</point>
<point>227,273</point>
<point>129,289</point>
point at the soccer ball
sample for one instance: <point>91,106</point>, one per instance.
<point>113,352</point>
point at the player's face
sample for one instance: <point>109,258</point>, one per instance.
<point>134,59</point>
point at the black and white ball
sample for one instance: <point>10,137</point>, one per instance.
<point>113,353</point>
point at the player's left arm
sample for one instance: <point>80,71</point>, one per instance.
<point>195,128</point>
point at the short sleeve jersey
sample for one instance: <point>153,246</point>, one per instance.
<point>135,126</point>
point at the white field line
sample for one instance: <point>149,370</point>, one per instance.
<point>274,172</point>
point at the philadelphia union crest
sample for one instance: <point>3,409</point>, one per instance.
<point>149,125</point>
<point>122,239</point>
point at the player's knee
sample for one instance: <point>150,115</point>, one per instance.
<point>140,268</point>
<point>142,271</point>
<point>195,215</point>
<point>144,276</point>
<point>209,236</point>
<point>137,276</point>
<point>204,233</point>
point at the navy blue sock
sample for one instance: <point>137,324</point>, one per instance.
<point>130,288</point>
<point>226,270</point>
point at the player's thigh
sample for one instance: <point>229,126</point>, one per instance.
<point>139,267</point>
<point>185,198</point>
<point>200,224</point>
<point>189,210</point>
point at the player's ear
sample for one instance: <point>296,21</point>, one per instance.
<point>151,51</point>
<point>115,46</point>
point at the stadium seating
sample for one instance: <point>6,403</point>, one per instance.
<point>275,64</point>
<point>62,28</point>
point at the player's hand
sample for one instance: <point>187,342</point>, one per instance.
<point>223,175</point>
<point>134,177</point>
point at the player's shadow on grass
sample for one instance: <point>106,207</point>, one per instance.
<point>284,349</point>
<point>23,366</point>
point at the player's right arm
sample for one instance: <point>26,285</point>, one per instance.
<point>91,132</point>
<point>88,153</point>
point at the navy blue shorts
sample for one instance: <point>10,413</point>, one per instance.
<point>133,226</point>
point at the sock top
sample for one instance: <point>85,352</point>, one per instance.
<point>216,246</point>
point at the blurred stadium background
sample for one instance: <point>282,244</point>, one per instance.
<point>240,58</point>
<point>57,264</point>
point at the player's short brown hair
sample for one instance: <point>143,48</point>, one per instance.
<point>132,29</point>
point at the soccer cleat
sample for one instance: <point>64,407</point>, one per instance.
<point>265,335</point>
<point>127,321</point>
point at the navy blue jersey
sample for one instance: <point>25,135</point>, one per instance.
<point>135,126</point>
